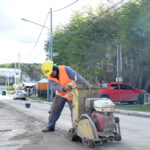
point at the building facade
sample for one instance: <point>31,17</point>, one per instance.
<point>10,76</point>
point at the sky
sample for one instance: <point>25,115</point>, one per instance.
<point>18,38</point>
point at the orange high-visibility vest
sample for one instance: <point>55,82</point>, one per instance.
<point>64,80</point>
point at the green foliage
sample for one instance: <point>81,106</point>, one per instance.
<point>10,88</point>
<point>86,44</point>
<point>5,65</point>
<point>32,70</point>
<point>134,22</point>
<point>89,42</point>
<point>37,98</point>
<point>144,108</point>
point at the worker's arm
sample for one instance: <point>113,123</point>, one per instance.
<point>72,75</point>
<point>60,88</point>
<point>76,77</point>
<point>57,86</point>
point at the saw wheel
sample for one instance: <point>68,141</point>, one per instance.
<point>73,135</point>
<point>86,130</point>
<point>88,143</point>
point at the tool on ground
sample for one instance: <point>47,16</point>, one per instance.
<point>93,119</point>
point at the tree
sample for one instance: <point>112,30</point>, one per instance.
<point>89,41</point>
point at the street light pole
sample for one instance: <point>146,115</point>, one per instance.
<point>50,54</point>
<point>51,34</point>
<point>50,51</point>
<point>119,77</point>
<point>26,20</point>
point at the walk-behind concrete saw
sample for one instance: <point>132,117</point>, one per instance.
<point>93,119</point>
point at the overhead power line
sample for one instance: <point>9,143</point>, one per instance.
<point>66,6</point>
<point>75,32</point>
<point>103,13</point>
<point>43,26</point>
<point>41,31</point>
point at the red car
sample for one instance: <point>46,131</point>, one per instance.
<point>118,91</point>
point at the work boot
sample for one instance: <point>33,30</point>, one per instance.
<point>48,130</point>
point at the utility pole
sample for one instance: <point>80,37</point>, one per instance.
<point>19,61</point>
<point>50,55</point>
<point>50,51</point>
<point>7,77</point>
<point>15,75</point>
<point>19,68</point>
<point>51,34</point>
<point>119,77</point>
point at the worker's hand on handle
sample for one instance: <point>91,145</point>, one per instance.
<point>90,86</point>
<point>67,88</point>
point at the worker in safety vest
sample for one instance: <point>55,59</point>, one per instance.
<point>62,79</point>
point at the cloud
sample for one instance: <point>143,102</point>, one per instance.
<point>6,22</point>
<point>11,49</point>
<point>17,36</point>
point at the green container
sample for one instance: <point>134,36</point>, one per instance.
<point>3,92</point>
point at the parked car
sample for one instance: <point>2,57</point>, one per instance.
<point>122,92</point>
<point>20,94</point>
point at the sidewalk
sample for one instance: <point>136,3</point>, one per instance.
<point>119,111</point>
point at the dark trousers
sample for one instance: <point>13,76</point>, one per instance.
<point>56,109</point>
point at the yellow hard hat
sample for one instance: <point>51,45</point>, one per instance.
<point>47,67</point>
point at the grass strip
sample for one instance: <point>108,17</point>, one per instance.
<point>144,108</point>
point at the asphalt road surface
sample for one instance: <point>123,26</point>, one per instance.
<point>20,128</point>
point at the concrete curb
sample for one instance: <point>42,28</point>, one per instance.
<point>134,113</point>
<point>39,101</point>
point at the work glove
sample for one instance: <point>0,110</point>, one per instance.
<point>67,88</point>
<point>90,86</point>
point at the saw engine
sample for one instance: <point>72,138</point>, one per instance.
<point>99,121</point>
<point>93,120</point>
<point>101,111</point>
